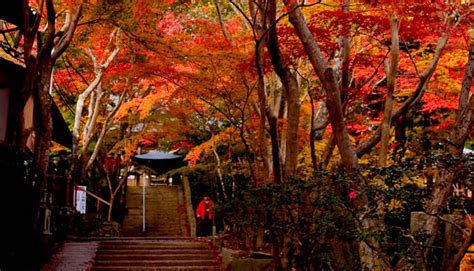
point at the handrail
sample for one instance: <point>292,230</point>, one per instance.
<point>189,206</point>
<point>92,195</point>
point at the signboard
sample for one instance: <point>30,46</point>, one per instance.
<point>81,198</point>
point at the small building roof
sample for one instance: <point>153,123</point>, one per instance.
<point>159,161</point>
<point>158,155</point>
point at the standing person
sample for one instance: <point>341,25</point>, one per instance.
<point>205,216</point>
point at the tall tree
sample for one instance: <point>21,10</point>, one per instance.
<point>49,43</point>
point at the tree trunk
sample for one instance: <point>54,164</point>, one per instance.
<point>420,88</point>
<point>105,127</point>
<point>44,131</point>
<point>266,115</point>
<point>219,168</point>
<point>109,213</point>
<point>326,157</point>
<point>225,31</point>
<point>275,149</point>
<point>43,101</point>
<point>312,135</point>
<point>81,162</point>
<point>291,87</point>
<point>328,80</point>
<point>327,76</point>
<point>443,186</point>
<point>391,71</point>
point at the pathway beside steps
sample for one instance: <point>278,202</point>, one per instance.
<point>185,254</point>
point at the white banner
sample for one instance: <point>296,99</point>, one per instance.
<point>81,198</point>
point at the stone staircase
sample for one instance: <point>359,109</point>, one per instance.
<point>156,254</point>
<point>161,247</point>
<point>162,215</point>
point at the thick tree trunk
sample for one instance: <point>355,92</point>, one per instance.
<point>443,187</point>
<point>44,122</point>
<point>44,134</point>
<point>291,87</point>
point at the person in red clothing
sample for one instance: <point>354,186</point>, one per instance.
<point>205,216</point>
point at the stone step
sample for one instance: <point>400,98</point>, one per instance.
<point>153,199</point>
<point>155,257</point>
<point>160,220</point>
<point>147,247</point>
<point>157,229</point>
<point>157,224</point>
<point>174,268</point>
<point>151,240</point>
<point>143,253</point>
<point>158,200</point>
<point>141,248</point>
<point>162,233</point>
<point>175,225</point>
<point>161,211</point>
<point>178,242</point>
<point>153,206</point>
<point>161,268</point>
<point>155,252</point>
<point>98,263</point>
<point>161,215</point>
<point>165,207</point>
<point>149,229</point>
<point>176,232</point>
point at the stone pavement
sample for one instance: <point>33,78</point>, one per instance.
<point>73,256</point>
